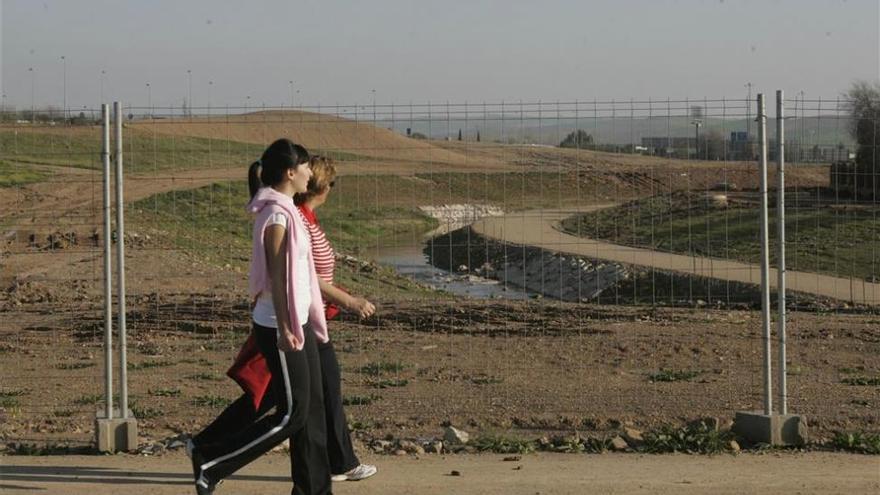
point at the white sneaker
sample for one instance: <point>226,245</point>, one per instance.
<point>361,472</point>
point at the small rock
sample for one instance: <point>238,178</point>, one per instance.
<point>454,473</point>
<point>513,458</point>
<point>400,452</point>
<point>619,444</point>
<point>453,436</point>
<point>434,447</point>
<point>734,446</point>
<point>633,436</point>
<point>176,444</point>
<point>411,447</point>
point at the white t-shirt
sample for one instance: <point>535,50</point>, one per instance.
<point>264,310</point>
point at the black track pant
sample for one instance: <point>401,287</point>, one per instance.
<point>339,447</point>
<point>299,415</point>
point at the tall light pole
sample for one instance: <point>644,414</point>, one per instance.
<point>33,105</point>
<point>247,100</point>
<point>373,91</point>
<point>150,99</point>
<point>189,94</point>
<point>102,87</point>
<point>3,111</point>
<point>64,78</point>
<point>697,123</point>
<point>748,112</point>
<point>290,90</point>
<point>210,88</point>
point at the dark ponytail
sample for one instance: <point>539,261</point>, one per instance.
<point>279,157</point>
<point>254,182</point>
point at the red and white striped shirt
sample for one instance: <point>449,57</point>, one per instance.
<point>322,251</point>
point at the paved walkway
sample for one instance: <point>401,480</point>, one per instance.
<point>541,228</point>
<point>547,474</point>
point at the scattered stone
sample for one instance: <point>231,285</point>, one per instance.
<point>454,436</point>
<point>400,452</point>
<point>411,447</point>
<point>619,444</point>
<point>517,468</point>
<point>633,436</point>
<point>710,423</point>
<point>176,444</point>
<point>434,447</point>
<point>512,458</point>
<point>454,473</point>
<point>734,446</point>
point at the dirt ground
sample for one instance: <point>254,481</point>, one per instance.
<point>544,474</point>
<point>526,368</point>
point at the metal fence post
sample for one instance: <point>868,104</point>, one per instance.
<point>120,263</point>
<point>780,239</point>
<point>765,255</point>
<point>108,296</point>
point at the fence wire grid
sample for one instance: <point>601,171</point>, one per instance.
<point>537,266</point>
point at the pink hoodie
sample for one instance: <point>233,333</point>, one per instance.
<point>266,202</point>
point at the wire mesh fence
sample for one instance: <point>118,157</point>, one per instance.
<point>537,266</point>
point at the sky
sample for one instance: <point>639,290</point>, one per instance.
<point>351,52</point>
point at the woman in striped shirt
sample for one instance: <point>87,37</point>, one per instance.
<point>344,463</point>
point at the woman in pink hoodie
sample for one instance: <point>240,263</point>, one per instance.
<point>288,323</point>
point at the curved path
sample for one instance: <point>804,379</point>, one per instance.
<point>540,228</point>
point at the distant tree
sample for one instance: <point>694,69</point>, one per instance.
<point>714,145</point>
<point>478,136</point>
<point>418,135</point>
<point>577,139</point>
<point>459,134</point>
<point>863,102</point>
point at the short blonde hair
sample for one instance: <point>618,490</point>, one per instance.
<point>323,176</point>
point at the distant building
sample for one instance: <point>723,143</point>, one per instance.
<point>670,146</point>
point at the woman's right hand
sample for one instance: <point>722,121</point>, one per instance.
<point>362,307</point>
<point>286,341</point>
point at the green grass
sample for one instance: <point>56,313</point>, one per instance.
<point>75,366</point>
<point>145,150</point>
<point>862,381</point>
<point>674,375</point>
<point>204,377</point>
<point>9,398</point>
<point>693,439</point>
<point>89,399</point>
<point>149,364</point>
<point>818,238</point>
<point>388,383</point>
<point>359,400</point>
<point>211,401</point>
<point>381,367</point>
<point>165,392</point>
<point>502,444</point>
<point>864,443</point>
<point>15,174</point>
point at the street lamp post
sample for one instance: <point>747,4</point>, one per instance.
<point>102,87</point>
<point>189,94</point>
<point>64,79</point>
<point>290,90</point>
<point>150,99</point>
<point>33,104</point>
<point>697,123</point>
<point>210,88</point>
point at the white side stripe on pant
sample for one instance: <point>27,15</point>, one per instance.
<point>208,465</point>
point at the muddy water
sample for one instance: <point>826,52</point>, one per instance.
<point>411,261</point>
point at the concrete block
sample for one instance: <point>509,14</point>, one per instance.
<point>117,434</point>
<point>772,429</point>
